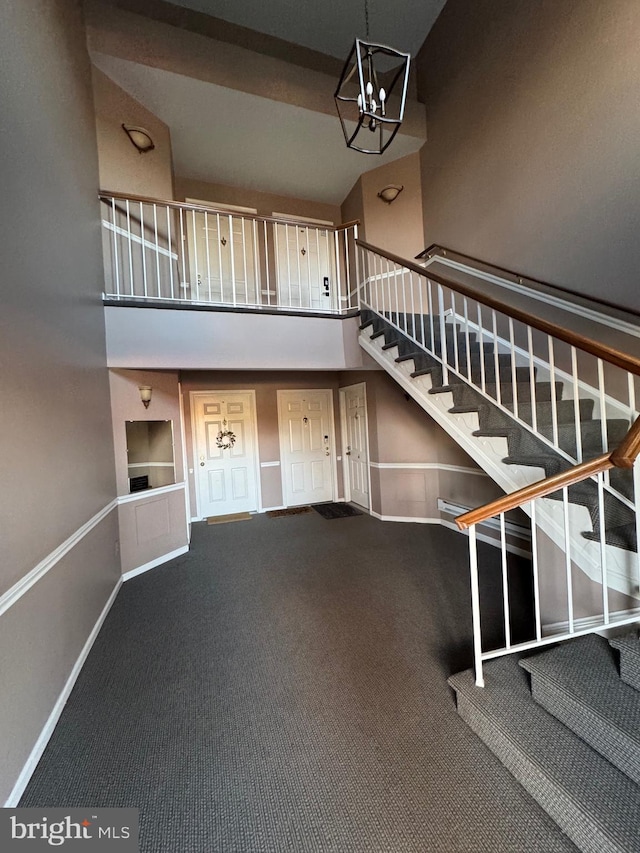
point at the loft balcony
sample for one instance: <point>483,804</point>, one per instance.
<point>233,289</point>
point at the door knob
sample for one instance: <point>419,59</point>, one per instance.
<point>202,464</point>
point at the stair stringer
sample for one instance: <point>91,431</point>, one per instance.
<point>489,452</point>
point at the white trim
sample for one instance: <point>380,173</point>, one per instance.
<point>15,593</point>
<point>54,716</point>
<point>153,563</point>
<point>548,299</point>
<point>289,218</point>
<point>148,244</point>
<point>590,623</point>
<point>150,493</point>
<point>185,463</point>
<point>406,518</point>
<point>270,464</point>
<point>150,465</point>
<point>226,208</point>
<point>429,466</point>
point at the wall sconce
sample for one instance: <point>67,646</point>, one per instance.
<point>140,138</point>
<point>145,394</point>
<point>390,193</point>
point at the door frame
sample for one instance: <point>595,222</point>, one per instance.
<point>332,439</point>
<point>194,442</point>
<point>346,475</point>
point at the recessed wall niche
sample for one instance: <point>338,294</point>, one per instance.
<point>150,458</point>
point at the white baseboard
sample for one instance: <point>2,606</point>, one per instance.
<point>405,518</point>
<point>153,563</point>
<point>54,716</point>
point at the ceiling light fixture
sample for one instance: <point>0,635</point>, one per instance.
<point>390,193</point>
<point>139,137</point>
<point>372,93</point>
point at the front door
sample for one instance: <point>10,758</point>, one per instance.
<point>304,268</point>
<point>306,446</point>
<point>225,452</point>
<point>222,257</point>
<point>356,450</point>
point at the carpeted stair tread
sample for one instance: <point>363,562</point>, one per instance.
<point>629,647</point>
<point>594,803</point>
<point>525,447</point>
<point>578,683</point>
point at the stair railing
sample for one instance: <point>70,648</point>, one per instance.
<point>600,615</point>
<point>165,252</point>
<point>568,387</point>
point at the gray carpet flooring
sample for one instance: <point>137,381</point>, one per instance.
<point>282,689</point>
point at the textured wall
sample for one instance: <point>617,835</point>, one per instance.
<point>265,203</point>
<point>534,118</point>
<point>122,168</point>
<point>56,467</point>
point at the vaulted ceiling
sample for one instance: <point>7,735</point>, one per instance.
<point>225,131</point>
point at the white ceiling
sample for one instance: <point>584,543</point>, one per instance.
<point>229,137</point>
<point>329,26</point>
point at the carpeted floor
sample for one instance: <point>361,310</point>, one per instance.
<point>282,689</point>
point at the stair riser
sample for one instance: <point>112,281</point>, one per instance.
<point>630,669</point>
<point>609,741</point>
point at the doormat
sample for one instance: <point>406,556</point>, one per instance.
<point>294,510</point>
<point>330,511</point>
<point>223,519</point>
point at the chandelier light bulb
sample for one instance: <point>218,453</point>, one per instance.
<point>369,88</point>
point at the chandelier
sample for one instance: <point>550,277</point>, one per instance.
<point>371,94</point>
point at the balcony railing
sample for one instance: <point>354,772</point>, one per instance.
<point>167,252</point>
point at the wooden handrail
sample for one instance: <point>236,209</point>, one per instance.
<point>536,490</point>
<point>628,450</point>
<point>107,195</point>
<point>600,350</point>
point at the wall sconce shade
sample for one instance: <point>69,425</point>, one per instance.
<point>140,138</point>
<point>390,193</point>
<point>370,101</point>
<point>145,394</point>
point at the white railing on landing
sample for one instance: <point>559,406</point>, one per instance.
<point>165,252</point>
<point>542,375</point>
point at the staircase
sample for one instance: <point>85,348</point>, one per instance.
<point>519,429</point>
<point>545,413</point>
<point>567,725</point>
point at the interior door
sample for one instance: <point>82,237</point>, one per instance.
<point>225,475</point>
<point>306,446</point>
<point>356,452</point>
<point>304,267</point>
<point>222,257</point>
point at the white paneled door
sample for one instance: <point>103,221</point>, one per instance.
<point>224,430</point>
<point>356,446</point>
<point>306,446</point>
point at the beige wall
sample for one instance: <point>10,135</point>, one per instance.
<point>152,524</point>
<point>57,461</point>
<point>265,203</point>
<point>531,161</point>
<point>396,227</point>
<point>122,168</point>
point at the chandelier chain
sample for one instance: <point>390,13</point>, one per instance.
<point>366,17</point>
